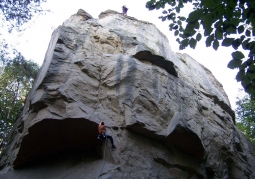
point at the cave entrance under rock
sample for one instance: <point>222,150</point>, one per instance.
<point>50,137</point>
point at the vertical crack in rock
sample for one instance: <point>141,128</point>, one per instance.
<point>129,82</point>
<point>119,67</point>
<point>155,83</point>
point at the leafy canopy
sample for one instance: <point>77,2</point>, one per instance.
<point>19,12</point>
<point>16,79</point>
<point>18,74</point>
<point>223,22</point>
<point>245,112</point>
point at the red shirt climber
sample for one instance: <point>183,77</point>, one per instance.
<point>102,135</point>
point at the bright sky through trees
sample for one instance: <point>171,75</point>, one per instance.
<point>34,41</point>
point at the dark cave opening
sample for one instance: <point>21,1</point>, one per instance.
<point>51,138</point>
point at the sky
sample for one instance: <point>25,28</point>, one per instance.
<point>33,43</point>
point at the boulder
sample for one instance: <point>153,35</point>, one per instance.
<point>168,115</point>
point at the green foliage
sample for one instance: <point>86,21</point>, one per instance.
<point>225,22</point>
<point>17,75</point>
<point>19,12</point>
<point>246,116</point>
<point>16,79</point>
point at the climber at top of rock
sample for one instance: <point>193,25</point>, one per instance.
<point>102,135</point>
<point>124,10</point>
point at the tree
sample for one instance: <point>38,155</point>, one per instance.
<point>19,12</point>
<point>245,112</point>
<point>225,22</point>
<point>17,75</point>
<point>16,80</point>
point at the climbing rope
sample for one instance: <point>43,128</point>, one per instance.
<point>179,96</point>
<point>104,156</point>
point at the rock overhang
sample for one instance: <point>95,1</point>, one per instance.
<point>50,137</point>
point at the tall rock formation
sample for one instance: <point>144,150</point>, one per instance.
<point>168,115</point>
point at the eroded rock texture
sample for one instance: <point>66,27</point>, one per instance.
<point>168,115</point>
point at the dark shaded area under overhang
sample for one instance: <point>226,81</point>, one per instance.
<point>157,60</point>
<point>50,137</point>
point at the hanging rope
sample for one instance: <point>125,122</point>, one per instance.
<point>179,97</point>
<point>104,156</point>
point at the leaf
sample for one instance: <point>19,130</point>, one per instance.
<point>232,4</point>
<point>218,34</point>
<point>189,33</point>
<point>251,68</point>
<point>208,20</point>
<point>236,43</point>
<point>215,44</point>
<point>171,25</point>
<point>245,44</point>
<point>227,42</point>
<point>190,26</point>
<point>251,45</point>
<point>197,25</point>
<point>220,11</point>
<point>149,3</point>
<point>245,82</point>
<point>240,29</point>
<point>248,33</point>
<point>164,12</point>
<point>234,64</point>
<point>171,16</point>
<point>209,40</point>
<point>158,5</point>
<point>218,24</point>
<point>228,13</point>
<point>192,43</point>
<point>195,15</point>
<point>182,18</point>
<point>176,32</point>
<point>198,37</point>
<point>243,66</point>
<point>249,61</point>
<point>175,27</point>
<point>163,18</point>
<point>242,37</point>
<point>231,29</point>
<point>210,4</point>
<point>172,3</point>
<point>185,42</point>
<point>251,75</point>
<point>237,55</point>
<point>234,21</point>
<point>240,75</point>
<point>208,31</point>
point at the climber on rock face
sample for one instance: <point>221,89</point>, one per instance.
<point>102,135</point>
<point>124,10</point>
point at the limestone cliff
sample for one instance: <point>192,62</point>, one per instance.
<point>168,115</point>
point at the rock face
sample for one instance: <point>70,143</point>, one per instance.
<point>168,115</point>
